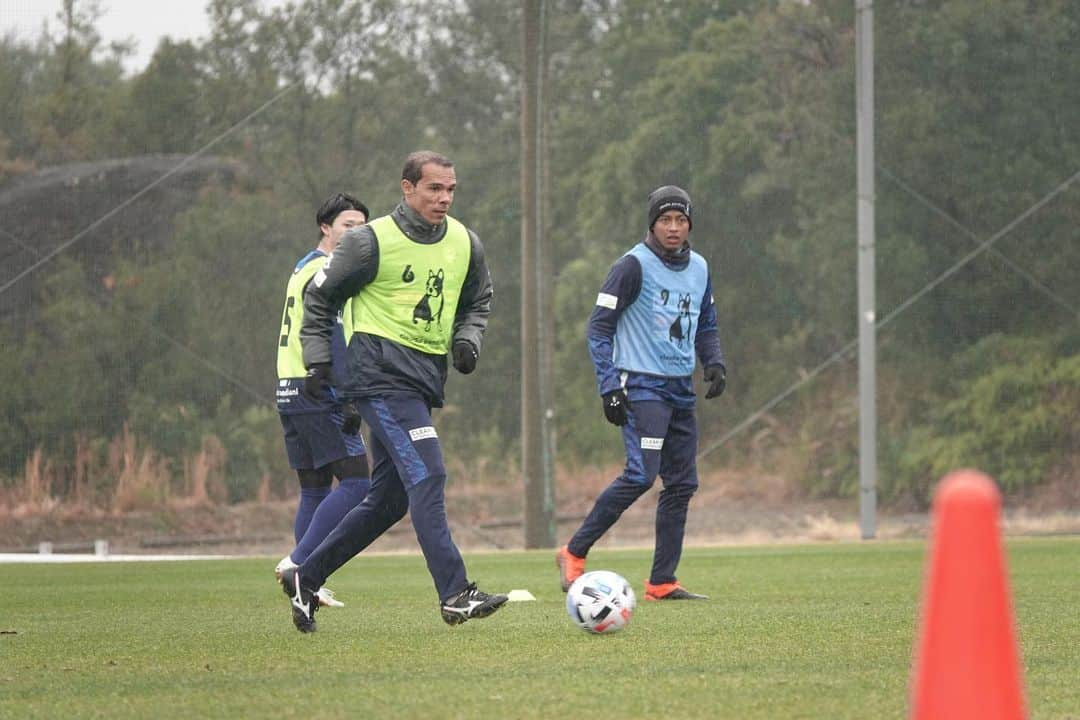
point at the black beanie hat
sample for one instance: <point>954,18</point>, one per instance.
<point>669,197</point>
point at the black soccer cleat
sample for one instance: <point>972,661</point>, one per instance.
<point>681,593</point>
<point>303,601</point>
<point>470,603</point>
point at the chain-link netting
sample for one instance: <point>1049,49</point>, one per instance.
<point>149,223</point>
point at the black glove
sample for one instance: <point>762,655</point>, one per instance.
<point>464,357</point>
<point>616,405</point>
<point>716,376</point>
<point>351,419</point>
<point>317,382</point>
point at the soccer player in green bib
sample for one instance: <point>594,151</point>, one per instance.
<point>419,290</point>
<point>320,442</point>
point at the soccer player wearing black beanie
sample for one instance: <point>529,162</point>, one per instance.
<point>654,318</point>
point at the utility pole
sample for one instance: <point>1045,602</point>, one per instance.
<point>536,461</point>
<point>864,101</point>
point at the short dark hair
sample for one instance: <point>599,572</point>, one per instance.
<point>414,164</point>
<point>337,204</point>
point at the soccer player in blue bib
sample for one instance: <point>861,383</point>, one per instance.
<point>321,442</point>
<point>654,314</point>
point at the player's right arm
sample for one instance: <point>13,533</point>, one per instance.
<point>620,289</point>
<point>351,266</point>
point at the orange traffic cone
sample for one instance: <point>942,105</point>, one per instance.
<point>967,663</point>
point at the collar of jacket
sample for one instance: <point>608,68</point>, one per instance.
<point>415,227</point>
<point>676,260</point>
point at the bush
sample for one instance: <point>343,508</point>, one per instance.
<point>1016,420</point>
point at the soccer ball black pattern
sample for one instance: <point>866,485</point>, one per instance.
<point>600,601</point>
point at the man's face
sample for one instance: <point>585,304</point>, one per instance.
<point>345,220</point>
<point>671,230</point>
<point>433,193</point>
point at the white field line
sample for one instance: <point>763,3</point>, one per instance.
<point>91,557</point>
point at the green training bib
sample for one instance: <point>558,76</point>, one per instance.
<point>413,298</point>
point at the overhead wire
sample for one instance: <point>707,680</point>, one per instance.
<point>850,346</point>
<point>742,425</point>
<point>255,394</point>
<point>187,160</point>
<point>1012,264</point>
<point>892,315</point>
<point>147,188</point>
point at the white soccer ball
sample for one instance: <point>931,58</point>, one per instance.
<point>600,602</point>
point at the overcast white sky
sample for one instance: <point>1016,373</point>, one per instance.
<point>144,20</point>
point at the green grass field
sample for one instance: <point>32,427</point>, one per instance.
<point>818,631</point>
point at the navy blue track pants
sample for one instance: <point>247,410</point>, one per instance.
<point>659,440</point>
<point>408,476</point>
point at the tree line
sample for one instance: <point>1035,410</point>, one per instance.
<point>164,332</point>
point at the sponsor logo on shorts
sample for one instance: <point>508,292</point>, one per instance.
<point>423,433</point>
<point>652,443</point>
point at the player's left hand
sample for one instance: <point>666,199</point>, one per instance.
<point>464,357</point>
<point>351,423</point>
<point>616,407</point>
<point>716,376</point>
<point>317,382</point>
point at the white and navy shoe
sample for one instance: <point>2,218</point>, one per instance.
<point>304,602</point>
<point>325,594</point>
<point>470,603</point>
<point>285,564</point>
<point>327,599</point>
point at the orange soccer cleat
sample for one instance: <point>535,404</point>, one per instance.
<point>571,567</point>
<point>670,591</point>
